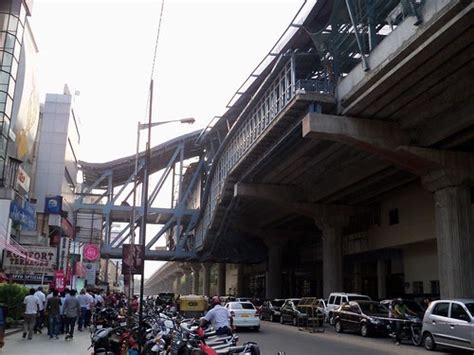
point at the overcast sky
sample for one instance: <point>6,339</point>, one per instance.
<point>104,49</point>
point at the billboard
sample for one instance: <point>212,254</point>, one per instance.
<point>35,265</point>
<point>133,256</point>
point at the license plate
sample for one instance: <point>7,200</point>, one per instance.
<point>245,315</point>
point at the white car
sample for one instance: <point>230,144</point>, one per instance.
<point>244,314</point>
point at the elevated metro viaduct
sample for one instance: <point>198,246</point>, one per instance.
<point>345,161</point>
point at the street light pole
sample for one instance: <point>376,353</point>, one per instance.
<point>145,179</point>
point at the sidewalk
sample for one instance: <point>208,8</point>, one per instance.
<point>42,345</point>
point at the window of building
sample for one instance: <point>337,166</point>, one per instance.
<point>434,287</point>
<point>417,287</point>
<point>393,217</point>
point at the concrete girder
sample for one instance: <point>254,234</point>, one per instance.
<point>371,135</point>
<point>291,198</point>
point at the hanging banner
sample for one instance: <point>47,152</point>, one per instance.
<point>59,280</point>
<point>64,253</point>
<point>133,259</point>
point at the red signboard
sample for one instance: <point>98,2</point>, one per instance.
<point>59,280</point>
<point>91,252</point>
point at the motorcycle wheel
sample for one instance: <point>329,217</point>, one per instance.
<point>416,336</point>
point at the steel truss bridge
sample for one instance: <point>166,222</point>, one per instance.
<point>329,120</point>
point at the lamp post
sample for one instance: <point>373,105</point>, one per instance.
<point>142,239</point>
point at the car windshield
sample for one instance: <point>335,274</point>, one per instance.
<point>470,307</point>
<point>358,298</point>
<point>277,303</point>
<point>242,306</point>
<point>373,308</point>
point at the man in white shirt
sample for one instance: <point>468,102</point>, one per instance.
<point>42,303</point>
<point>219,316</point>
<point>32,305</point>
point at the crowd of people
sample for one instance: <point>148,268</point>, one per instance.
<point>59,311</point>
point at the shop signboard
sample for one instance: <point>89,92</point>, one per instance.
<point>37,264</point>
<point>22,179</point>
<point>91,269</point>
<point>64,253</point>
<point>53,204</point>
<point>91,252</point>
<point>23,214</point>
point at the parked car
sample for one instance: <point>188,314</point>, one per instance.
<point>271,309</point>
<point>337,299</point>
<point>364,317</point>
<point>411,304</point>
<point>289,312</point>
<point>449,323</point>
<point>244,314</point>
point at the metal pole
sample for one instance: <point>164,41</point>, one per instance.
<point>145,212</point>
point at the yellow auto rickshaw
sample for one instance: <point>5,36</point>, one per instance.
<point>192,306</point>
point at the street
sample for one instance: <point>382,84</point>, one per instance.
<point>272,338</point>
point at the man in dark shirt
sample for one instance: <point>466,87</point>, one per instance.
<point>53,308</point>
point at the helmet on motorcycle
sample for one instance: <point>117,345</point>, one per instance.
<point>215,300</point>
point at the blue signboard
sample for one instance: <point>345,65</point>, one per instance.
<point>24,215</point>
<point>53,204</point>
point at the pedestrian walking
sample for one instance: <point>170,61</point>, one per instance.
<point>62,321</point>
<point>42,302</point>
<point>72,310</point>
<point>85,301</point>
<point>53,308</point>
<point>32,306</point>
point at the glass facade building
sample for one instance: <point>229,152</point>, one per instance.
<point>12,24</point>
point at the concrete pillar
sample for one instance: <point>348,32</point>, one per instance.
<point>195,284</point>
<point>273,274</point>
<point>357,277</point>
<point>206,279</point>
<point>240,280</point>
<point>330,221</point>
<point>221,271</point>
<point>454,233</point>
<point>332,259</point>
<point>381,278</point>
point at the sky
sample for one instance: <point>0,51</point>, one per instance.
<point>104,50</point>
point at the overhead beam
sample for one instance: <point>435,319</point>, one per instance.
<point>160,255</point>
<point>368,134</point>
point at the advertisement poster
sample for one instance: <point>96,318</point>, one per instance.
<point>59,280</point>
<point>133,256</point>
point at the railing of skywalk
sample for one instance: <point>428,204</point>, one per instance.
<point>266,108</point>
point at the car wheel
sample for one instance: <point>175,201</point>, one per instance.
<point>295,321</point>
<point>364,330</point>
<point>271,318</point>
<point>338,327</point>
<point>281,319</point>
<point>429,342</point>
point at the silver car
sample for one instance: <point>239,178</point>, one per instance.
<point>449,323</point>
